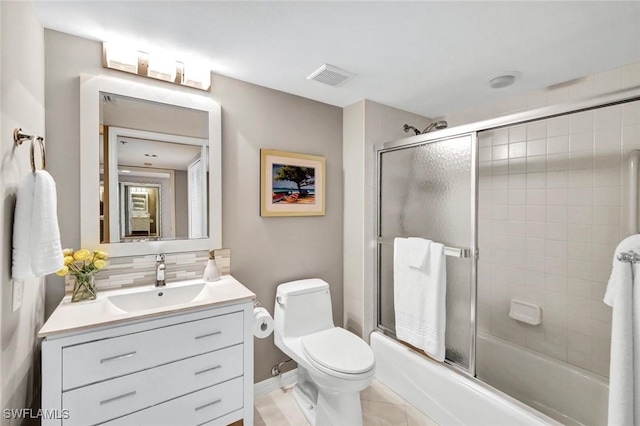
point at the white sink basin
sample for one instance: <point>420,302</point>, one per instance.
<point>159,297</point>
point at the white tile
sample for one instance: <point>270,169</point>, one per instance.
<point>558,126</point>
<point>516,228</point>
<point>581,122</point>
<point>500,152</point>
<point>535,229</point>
<point>517,133</point>
<point>484,154</point>
<point>485,139</point>
<point>581,141</point>
<point>556,231</point>
<point>516,244</point>
<point>536,197</point>
<point>555,351</point>
<point>500,167</point>
<point>557,179</point>
<point>518,181</point>
<point>517,197</point>
<point>607,138</point>
<point>555,301</point>
<point>578,269</point>
<point>580,196</point>
<point>597,291</point>
<point>500,196</point>
<point>535,295</point>
<point>535,246</point>
<point>500,137</point>
<point>500,182</point>
<point>536,213</point>
<point>579,306</point>
<point>536,130</point>
<point>579,288</point>
<point>557,197</point>
<point>600,330</point>
<point>517,213</point>
<point>535,279</point>
<point>601,312</point>
<point>558,162</point>
<point>600,272</point>
<point>580,178</point>
<point>581,215</point>
<point>556,335</point>
<point>535,263</point>
<point>556,214</point>
<point>536,147</point>
<point>631,113</point>
<point>499,212</point>
<point>555,283</point>
<point>603,253</point>
<point>605,234</point>
<point>608,117</point>
<point>605,196</point>
<point>631,136</point>
<point>518,165</point>
<point>579,251</point>
<point>537,163</point>
<point>579,342</point>
<point>536,180</point>
<point>517,150</point>
<point>610,177</point>
<point>600,366</point>
<point>555,248</point>
<point>558,144</point>
<point>556,318</point>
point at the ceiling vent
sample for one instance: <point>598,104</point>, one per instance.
<point>328,74</point>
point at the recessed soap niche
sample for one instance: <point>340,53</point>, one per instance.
<point>131,271</point>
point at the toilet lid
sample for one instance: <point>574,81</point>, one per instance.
<point>339,350</point>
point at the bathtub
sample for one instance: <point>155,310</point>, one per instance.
<point>448,397</point>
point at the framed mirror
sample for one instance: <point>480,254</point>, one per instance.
<point>150,168</point>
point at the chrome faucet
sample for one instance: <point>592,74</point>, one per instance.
<point>160,268</point>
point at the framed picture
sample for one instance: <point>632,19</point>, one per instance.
<point>291,184</point>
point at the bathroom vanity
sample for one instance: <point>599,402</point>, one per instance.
<point>131,357</point>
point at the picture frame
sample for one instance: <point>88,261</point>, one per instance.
<point>291,184</point>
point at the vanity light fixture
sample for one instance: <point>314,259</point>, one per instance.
<point>155,65</point>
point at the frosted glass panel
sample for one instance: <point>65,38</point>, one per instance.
<point>426,191</point>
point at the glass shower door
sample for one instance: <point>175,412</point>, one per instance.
<point>428,191</point>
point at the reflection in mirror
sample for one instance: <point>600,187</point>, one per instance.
<point>153,171</point>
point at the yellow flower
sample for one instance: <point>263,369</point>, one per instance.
<point>82,254</point>
<point>101,254</point>
<point>62,271</point>
<point>67,252</point>
<point>99,263</point>
<point>68,260</point>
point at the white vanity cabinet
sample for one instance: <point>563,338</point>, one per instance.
<point>177,369</point>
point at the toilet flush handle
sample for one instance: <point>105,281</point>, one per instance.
<point>279,300</point>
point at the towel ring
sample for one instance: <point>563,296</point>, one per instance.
<point>42,152</point>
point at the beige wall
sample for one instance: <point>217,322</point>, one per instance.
<point>265,251</point>
<point>365,125</point>
<point>21,105</point>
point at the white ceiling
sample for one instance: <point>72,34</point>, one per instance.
<point>429,58</point>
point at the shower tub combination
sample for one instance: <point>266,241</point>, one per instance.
<point>499,370</point>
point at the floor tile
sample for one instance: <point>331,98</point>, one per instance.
<point>375,413</point>
<point>379,392</point>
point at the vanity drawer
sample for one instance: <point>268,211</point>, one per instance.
<point>198,408</point>
<point>103,359</point>
<point>117,397</point>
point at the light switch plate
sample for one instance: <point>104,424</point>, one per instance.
<point>18,286</point>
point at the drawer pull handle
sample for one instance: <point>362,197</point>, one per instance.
<point>115,398</point>
<point>209,404</point>
<point>208,369</point>
<point>208,335</point>
<point>113,358</point>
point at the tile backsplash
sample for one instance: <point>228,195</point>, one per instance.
<point>141,270</point>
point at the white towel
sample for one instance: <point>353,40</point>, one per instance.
<point>418,249</point>
<point>420,297</point>
<point>623,295</point>
<point>37,250</point>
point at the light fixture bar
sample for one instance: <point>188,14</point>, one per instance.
<point>155,65</point>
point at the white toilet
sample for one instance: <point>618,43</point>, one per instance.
<point>334,365</point>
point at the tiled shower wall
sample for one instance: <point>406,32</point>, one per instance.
<point>552,197</point>
<point>133,271</point>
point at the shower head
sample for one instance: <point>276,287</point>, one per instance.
<point>407,128</point>
<point>437,125</point>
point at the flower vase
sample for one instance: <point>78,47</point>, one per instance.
<point>84,288</point>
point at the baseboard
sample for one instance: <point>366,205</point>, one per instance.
<point>286,379</point>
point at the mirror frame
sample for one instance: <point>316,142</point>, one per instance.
<point>90,88</point>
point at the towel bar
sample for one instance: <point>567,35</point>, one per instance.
<point>448,251</point>
<point>628,256</point>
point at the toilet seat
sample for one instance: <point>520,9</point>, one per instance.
<point>338,350</point>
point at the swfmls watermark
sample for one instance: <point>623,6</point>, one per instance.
<point>28,413</point>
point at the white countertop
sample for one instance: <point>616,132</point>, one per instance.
<point>80,316</point>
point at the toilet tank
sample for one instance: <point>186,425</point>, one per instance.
<point>302,307</point>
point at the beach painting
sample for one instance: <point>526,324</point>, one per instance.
<point>292,184</point>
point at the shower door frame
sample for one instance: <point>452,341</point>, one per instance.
<point>472,249</point>
<point>600,101</point>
